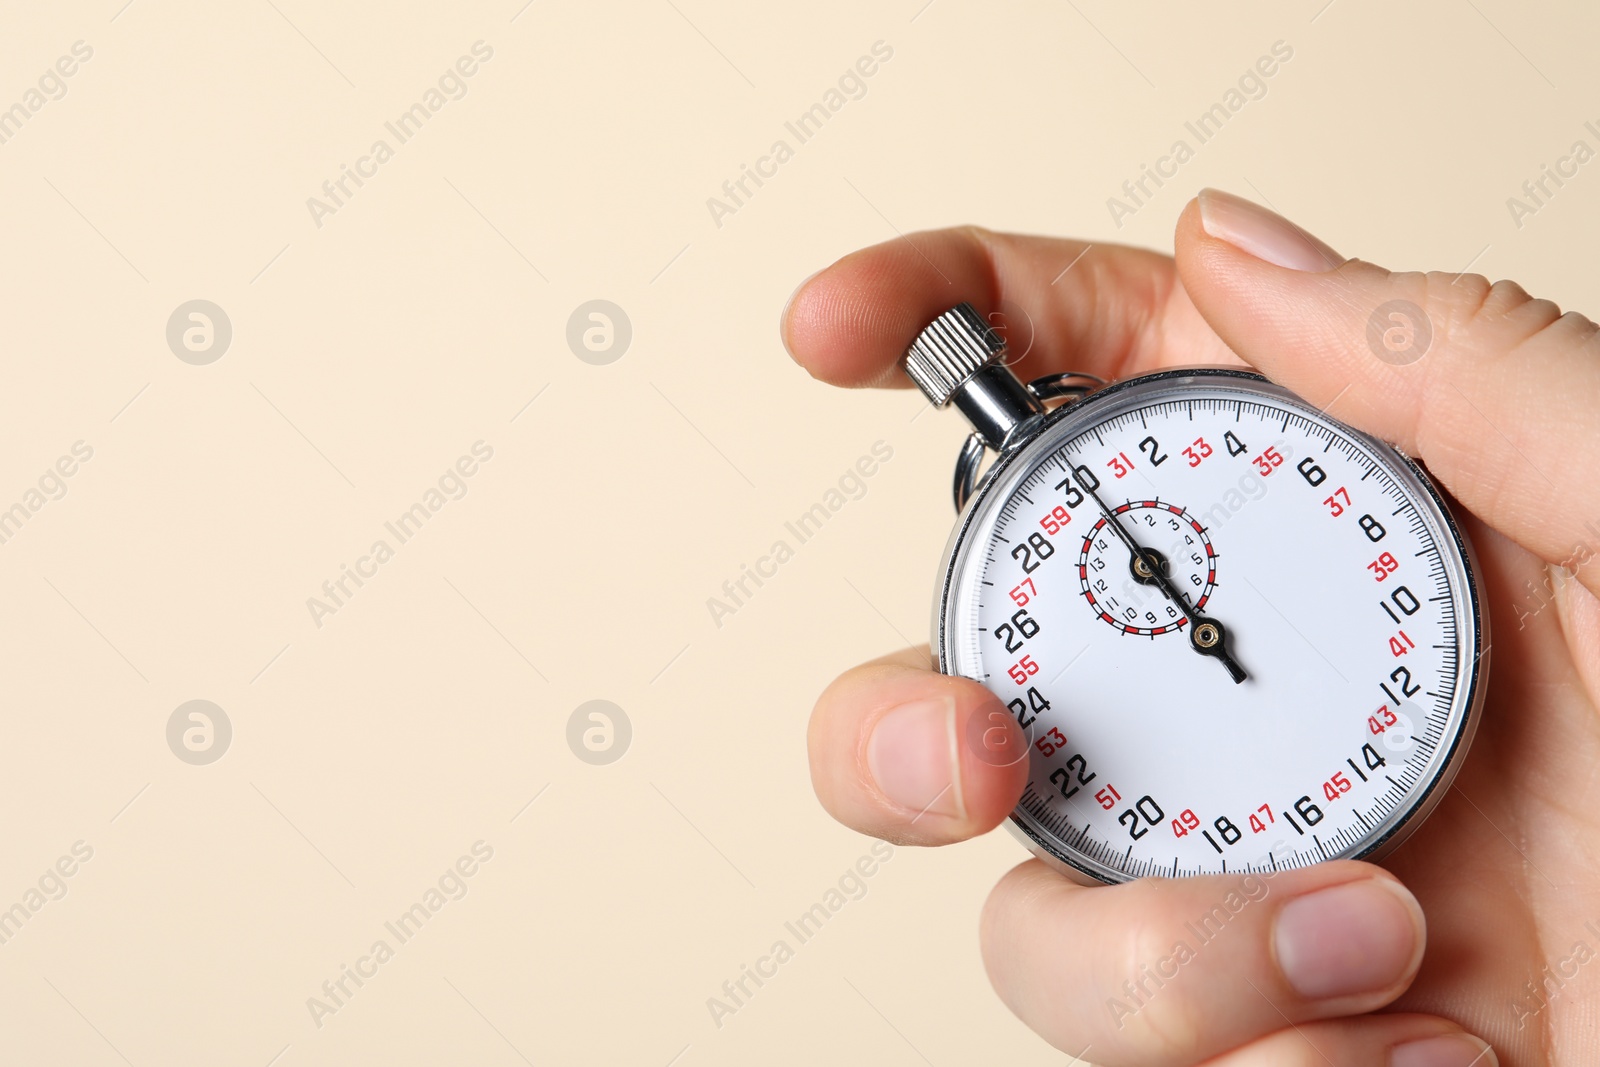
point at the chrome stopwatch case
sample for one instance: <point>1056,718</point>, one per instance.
<point>1237,634</point>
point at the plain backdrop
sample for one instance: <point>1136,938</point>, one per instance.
<point>378,338</point>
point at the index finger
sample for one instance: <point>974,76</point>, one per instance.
<point>1109,310</point>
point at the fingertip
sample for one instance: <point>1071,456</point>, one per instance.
<point>994,760</point>
<point>835,330</point>
<point>1017,900</point>
<point>949,764</point>
<point>1195,251</point>
<point>1458,1049</point>
<point>912,752</point>
<point>851,322</point>
<point>1359,941</point>
<point>915,757</point>
<point>1390,1039</point>
<point>1188,226</point>
<point>1319,942</point>
<point>1262,234</point>
<point>788,309</point>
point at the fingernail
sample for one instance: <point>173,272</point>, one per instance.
<point>783,316</point>
<point>912,756</point>
<point>1451,1050</point>
<point>1263,234</point>
<point>1360,937</point>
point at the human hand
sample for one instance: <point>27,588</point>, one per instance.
<point>1501,406</point>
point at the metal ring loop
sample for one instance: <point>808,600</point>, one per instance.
<point>1071,385</point>
<point>967,464</point>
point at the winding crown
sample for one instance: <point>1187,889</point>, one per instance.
<point>951,349</point>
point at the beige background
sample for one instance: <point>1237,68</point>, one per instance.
<point>368,354</point>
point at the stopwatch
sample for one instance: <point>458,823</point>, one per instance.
<point>1237,634</point>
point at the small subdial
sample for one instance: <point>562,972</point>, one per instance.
<point>1120,587</point>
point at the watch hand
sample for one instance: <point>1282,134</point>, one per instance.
<point>1207,636</point>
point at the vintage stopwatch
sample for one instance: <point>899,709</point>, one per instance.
<point>1238,635</point>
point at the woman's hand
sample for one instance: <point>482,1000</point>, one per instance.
<point>1323,965</point>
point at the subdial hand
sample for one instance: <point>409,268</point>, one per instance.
<point>1207,636</point>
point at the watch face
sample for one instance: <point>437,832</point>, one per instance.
<point>1238,634</point>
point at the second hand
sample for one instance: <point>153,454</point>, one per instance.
<point>1207,636</point>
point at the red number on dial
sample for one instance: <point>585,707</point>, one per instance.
<point>1020,671</point>
<point>1198,451</point>
<point>1120,464</point>
<point>1384,566</point>
<point>1051,741</point>
<point>1269,458</point>
<point>1058,517</point>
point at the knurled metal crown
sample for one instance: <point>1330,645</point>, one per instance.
<point>951,349</point>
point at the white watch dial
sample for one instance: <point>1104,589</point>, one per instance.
<point>1340,588</point>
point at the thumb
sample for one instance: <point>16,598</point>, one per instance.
<point>1495,390</point>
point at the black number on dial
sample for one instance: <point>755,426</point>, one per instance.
<point>1062,776</point>
<point>1036,543</point>
<point>1405,600</point>
<point>1021,627</point>
<point>1029,712</point>
<point>1086,479</point>
<point>1146,807</point>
